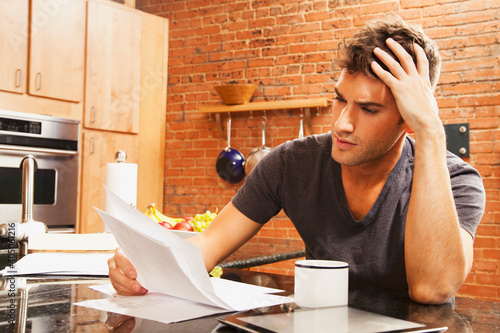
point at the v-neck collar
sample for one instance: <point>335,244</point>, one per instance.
<point>368,218</point>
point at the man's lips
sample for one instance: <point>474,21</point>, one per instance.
<point>343,143</point>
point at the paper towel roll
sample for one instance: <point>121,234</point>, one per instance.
<point>121,179</point>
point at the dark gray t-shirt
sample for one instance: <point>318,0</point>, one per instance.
<point>301,177</point>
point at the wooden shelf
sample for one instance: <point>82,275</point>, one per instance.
<point>266,106</point>
<point>305,104</point>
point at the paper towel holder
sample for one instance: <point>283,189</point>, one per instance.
<point>120,156</point>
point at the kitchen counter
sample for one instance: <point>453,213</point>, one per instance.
<point>48,306</point>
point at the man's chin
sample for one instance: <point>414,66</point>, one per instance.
<point>342,159</point>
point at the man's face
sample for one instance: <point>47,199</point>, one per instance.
<point>366,122</point>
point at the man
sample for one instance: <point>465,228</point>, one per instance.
<point>401,212</point>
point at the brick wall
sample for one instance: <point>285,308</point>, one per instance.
<point>285,47</point>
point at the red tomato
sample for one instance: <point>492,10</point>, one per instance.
<point>183,225</point>
<point>166,224</point>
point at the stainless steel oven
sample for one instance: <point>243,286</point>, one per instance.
<point>53,143</point>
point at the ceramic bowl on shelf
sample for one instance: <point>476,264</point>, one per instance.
<point>236,93</point>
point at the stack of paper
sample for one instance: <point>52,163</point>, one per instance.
<point>66,254</point>
<point>172,269</point>
<point>61,263</point>
<point>65,242</point>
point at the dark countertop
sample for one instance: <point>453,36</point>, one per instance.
<point>49,304</point>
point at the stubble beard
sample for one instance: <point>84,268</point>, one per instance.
<point>364,153</point>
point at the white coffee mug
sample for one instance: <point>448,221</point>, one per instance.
<point>320,283</point>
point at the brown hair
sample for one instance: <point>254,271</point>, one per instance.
<point>356,54</point>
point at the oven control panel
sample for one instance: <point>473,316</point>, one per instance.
<point>17,125</point>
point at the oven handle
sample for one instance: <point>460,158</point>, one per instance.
<point>39,150</point>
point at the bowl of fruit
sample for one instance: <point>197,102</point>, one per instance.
<point>186,227</point>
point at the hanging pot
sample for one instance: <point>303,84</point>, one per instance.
<point>258,153</point>
<point>230,163</point>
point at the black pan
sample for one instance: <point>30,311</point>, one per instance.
<point>230,163</point>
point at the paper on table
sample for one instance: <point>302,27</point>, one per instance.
<point>153,306</point>
<point>167,309</point>
<point>61,263</point>
<point>168,264</point>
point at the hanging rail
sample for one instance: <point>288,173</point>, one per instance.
<point>305,104</point>
<point>260,106</point>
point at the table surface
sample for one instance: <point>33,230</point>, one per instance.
<point>48,306</point>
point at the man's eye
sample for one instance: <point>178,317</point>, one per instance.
<point>340,99</point>
<point>368,110</point>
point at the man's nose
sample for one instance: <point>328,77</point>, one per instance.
<point>346,120</point>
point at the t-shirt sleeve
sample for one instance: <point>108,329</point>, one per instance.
<point>469,195</point>
<point>259,198</point>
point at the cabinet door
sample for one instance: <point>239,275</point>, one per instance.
<point>13,45</point>
<point>99,148</point>
<point>113,91</point>
<point>153,110</point>
<point>57,49</point>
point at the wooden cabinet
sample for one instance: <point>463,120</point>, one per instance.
<point>13,45</point>
<point>56,31</point>
<point>99,148</point>
<point>57,49</point>
<point>147,148</point>
<point>113,69</point>
<point>154,68</point>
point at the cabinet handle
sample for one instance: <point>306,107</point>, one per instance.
<point>92,114</point>
<point>18,78</point>
<point>92,142</point>
<point>38,84</point>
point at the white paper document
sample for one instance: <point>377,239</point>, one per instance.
<point>172,269</point>
<point>61,263</point>
<point>168,309</point>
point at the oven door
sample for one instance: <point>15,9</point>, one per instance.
<point>55,186</point>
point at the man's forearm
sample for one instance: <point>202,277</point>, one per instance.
<point>437,252</point>
<point>229,230</point>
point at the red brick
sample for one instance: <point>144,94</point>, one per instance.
<point>307,89</point>
<point>290,19</point>
<point>468,88</point>
<point>483,147</point>
<point>448,102</point>
<point>304,28</point>
<point>467,17</point>
<point>484,170</point>
<point>486,266</point>
<point>304,48</point>
<point>477,290</point>
<point>336,23</point>
<point>472,52</point>
<point>487,135</point>
<point>289,59</point>
<point>272,232</point>
<point>484,123</point>
<point>466,41</point>
<point>317,16</point>
<point>416,3</point>
<point>487,279</point>
<point>275,51</point>
<point>488,111</point>
<point>259,23</point>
